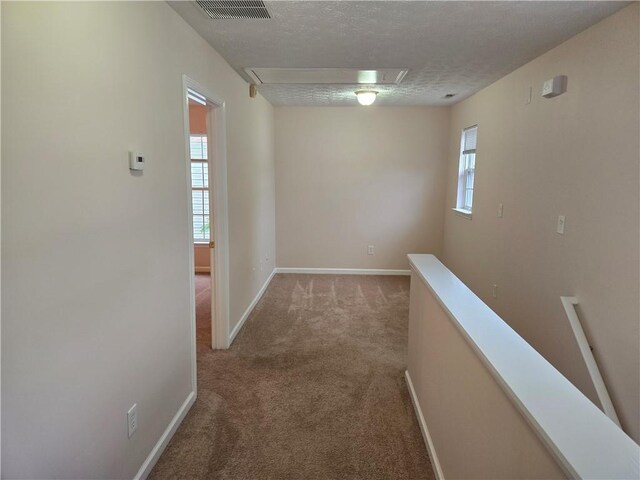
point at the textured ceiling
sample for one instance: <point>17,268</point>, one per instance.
<point>448,47</point>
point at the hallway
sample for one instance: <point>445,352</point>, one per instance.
<point>312,388</point>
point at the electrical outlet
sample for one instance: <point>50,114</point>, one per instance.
<point>132,420</point>
<point>370,250</point>
<point>500,210</point>
<point>495,291</point>
<point>560,226</point>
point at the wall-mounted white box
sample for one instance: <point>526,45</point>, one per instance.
<point>136,161</point>
<point>554,86</point>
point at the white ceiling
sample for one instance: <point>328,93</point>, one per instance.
<point>448,47</point>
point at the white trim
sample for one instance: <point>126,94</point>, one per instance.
<point>250,308</point>
<point>196,97</point>
<point>159,447</point>
<point>584,441</point>
<point>335,271</point>
<point>220,226</point>
<point>463,213</point>
<point>463,173</point>
<point>189,239</point>
<point>218,174</point>
<point>569,304</point>
<point>343,271</point>
<point>433,457</point>
<point>203,269</point>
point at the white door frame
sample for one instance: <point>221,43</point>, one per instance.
<point>218,182</point>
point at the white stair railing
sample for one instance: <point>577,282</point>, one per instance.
<point>569,304</point>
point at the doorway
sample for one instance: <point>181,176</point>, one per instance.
<point>205,138</point>
<point>203,242</point>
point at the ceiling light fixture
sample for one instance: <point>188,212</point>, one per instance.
<point>366,97</point>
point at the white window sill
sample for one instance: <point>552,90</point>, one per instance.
<point>463,213</point>
<point>201,244</point>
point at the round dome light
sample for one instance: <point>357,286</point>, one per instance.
<point>366,97</point>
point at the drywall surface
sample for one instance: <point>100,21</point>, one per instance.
<point>95,272</point>
<point>350,177</point>
<point>197,118</point>
<point>574,155</point>
<point>202,257</point>
<point>476,430</point>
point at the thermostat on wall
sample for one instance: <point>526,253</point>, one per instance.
<point>136,161</point>
<point>554,86</point>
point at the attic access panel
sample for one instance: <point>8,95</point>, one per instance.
<point>330,76</point>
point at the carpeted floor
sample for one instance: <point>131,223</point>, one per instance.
<point>312,388</point>
<point>203,312</point>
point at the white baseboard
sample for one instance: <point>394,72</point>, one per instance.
<point>437,469</point>
<point>334,271</point>
<point>203,269</point>
<point>153,457</point>
<point>344,271</point>
<point>250,308</point>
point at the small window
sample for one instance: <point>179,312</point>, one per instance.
<point>467,169</point>
<point>200,187</point>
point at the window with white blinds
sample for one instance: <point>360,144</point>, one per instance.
<point>200,187</point>
<point>467,168</point>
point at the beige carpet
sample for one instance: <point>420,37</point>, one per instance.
<point>312,388</point>
<point>203,311</point>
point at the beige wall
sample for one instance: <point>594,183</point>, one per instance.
<point>476,429</point>
<point>86,335</point>
<point>197,118</point>
<point>348,177</point>
<point>202,257</point>
<point>575,155</point>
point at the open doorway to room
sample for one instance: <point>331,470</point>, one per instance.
<point>200,196</point>
<point>208,252</point>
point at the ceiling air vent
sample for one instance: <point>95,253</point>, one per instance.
<point>234,9</point>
